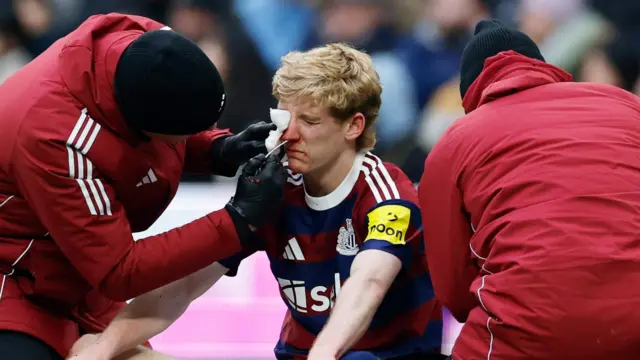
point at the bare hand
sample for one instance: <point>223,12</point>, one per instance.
<point>89,347</point>
<point>321,354</point>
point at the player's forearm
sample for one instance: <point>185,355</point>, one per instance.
<point>152,313</point>
<point>144,318</point>
<point>355,307</point>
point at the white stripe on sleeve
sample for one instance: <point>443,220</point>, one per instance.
<point>81,168</point>
<point>372,186</point>
<point>382,185</point>
<point>387,176</point>
<point>376,175</point>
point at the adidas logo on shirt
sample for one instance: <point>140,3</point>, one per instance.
<point>148,179</point>
<point>293,251</point>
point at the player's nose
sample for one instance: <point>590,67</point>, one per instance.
<point>291,134</point>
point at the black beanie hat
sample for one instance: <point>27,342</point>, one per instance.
<point>490,38</point>
<point>164,83</point>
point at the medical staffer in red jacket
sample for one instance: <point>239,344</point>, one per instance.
<point>96,133</point>
<point>531,209</point>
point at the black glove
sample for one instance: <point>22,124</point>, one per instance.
<point>232,151</point>
<point>260,190</point>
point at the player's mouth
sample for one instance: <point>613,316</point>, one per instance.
<point>292,150</point>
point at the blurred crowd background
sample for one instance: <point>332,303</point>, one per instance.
<point>416,46</point>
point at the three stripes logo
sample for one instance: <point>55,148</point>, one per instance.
<point>78,144</point>
<point>150,178</point>
<point>292,250</point>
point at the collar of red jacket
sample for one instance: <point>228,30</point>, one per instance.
<point>508,73</point>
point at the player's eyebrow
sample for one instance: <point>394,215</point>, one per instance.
<point>308,117</point>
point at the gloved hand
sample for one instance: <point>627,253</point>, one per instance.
<point>232,151</point>
<point>259,191</point>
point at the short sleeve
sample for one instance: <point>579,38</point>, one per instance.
<point>391,226</point>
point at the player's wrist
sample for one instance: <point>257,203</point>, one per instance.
<point>325,347</point>
<point>323,352</point>
<point>109,344</point>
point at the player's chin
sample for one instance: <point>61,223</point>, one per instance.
<point>298,166</point>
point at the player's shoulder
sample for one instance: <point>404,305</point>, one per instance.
<point>382,181</point>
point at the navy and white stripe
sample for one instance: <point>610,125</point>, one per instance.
<point>292,178</point>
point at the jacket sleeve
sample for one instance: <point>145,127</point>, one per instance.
<point>80,209</point>
<point>199,154</point>
<point>447,233</point>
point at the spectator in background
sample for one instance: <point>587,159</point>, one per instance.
<point>363,23</point>
<point>540,18</point>
<point>564,30</point>
<point>276,26</point>
<point>35,24</point>
<point>616,63</point>
<point>28,27</point>
<point>368,25</point>
<point>153,9</point>
<point>433,58</point>
<point>216,29</point>
<point>623,14</point>
<point>617,60</point>
<point>12,54</point>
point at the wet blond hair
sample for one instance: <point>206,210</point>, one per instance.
<point>336,76</point>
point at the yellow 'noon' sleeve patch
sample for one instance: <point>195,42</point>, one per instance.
<point>389,223</point>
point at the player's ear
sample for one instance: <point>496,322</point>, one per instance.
<point>354,126</point>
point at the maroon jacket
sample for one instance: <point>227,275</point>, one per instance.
<point>75,183</point>
<point>531,214</point>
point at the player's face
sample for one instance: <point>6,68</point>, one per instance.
<point>315,138</point>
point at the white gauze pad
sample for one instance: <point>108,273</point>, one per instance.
<point>281,118</point>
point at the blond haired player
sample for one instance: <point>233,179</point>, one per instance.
<point>347,251</point>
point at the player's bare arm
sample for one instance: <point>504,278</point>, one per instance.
<point>149,315</point>
<point>372,273</point>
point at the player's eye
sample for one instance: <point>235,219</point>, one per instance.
<point>309,120</point>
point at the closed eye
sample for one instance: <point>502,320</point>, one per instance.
<point>311,120</point>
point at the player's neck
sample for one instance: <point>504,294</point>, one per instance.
<point>325,180</point>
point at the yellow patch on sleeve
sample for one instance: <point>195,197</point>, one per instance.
<point>389,223</point>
